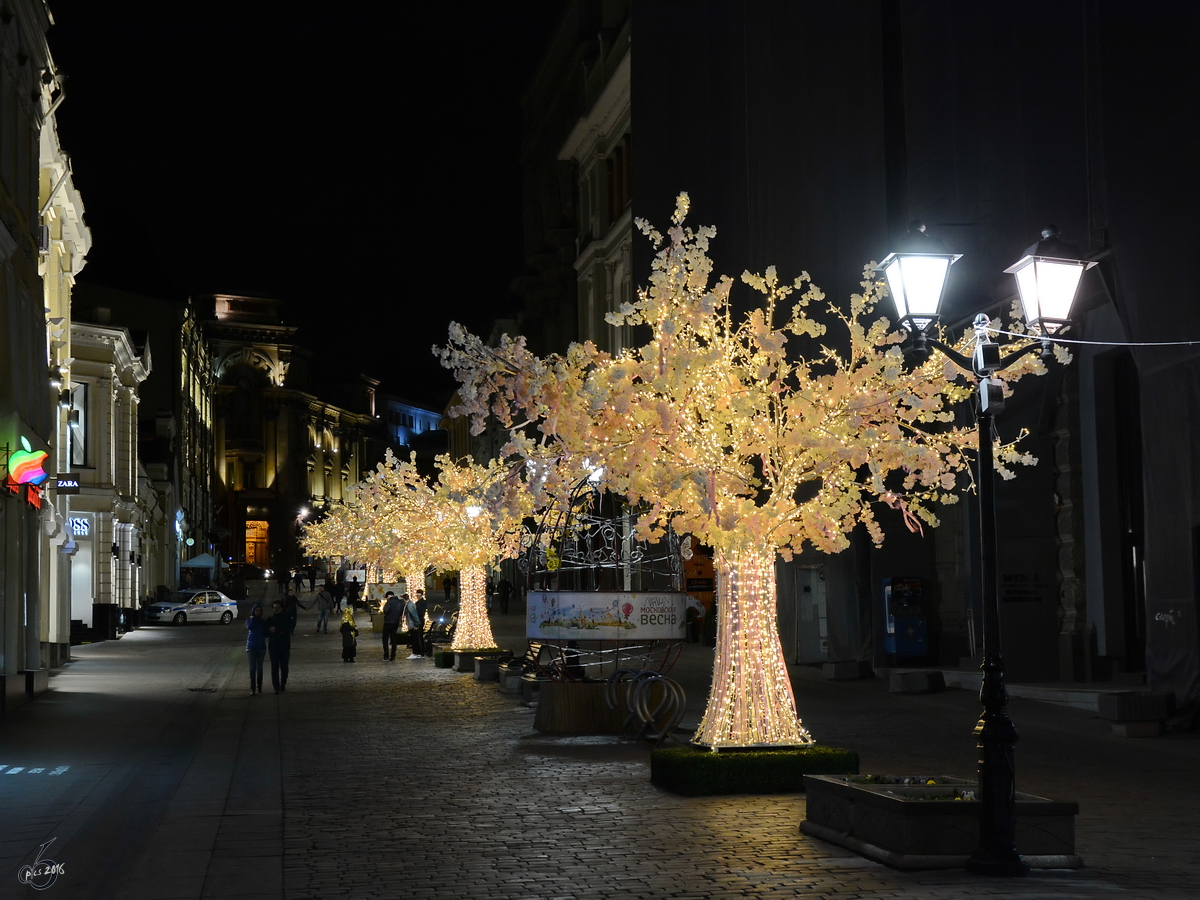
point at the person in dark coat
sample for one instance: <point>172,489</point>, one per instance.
<point>279,644</point>
<point>349,636</point>
<point>256,646</point>
<point>506,590</point>
<point>414,615</point>
<point>325,605</point>
<point>393,611</point>
<point>291,608</point>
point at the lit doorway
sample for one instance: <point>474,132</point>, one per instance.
<point>258,547</point>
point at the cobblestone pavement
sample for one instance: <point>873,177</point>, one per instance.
<point>397,779</point>
<point>450,793</point>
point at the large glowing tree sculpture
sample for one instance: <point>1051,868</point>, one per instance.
<point>729,437</point>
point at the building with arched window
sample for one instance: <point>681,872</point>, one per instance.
<point>280,448</point>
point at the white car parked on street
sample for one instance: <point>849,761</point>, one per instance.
<point>201,605</point>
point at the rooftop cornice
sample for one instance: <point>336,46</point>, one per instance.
<point>604,119</point>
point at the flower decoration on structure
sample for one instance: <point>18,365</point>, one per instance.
<point>757,436</point>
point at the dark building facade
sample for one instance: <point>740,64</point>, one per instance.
<point>289,439</point>
<point>810,133</point>
<point>175,415</point>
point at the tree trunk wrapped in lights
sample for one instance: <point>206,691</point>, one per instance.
<point>727,436</point>
<point>474,628</point>
<point>751,702</point>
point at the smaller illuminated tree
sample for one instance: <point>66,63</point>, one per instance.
<point>481,511</point>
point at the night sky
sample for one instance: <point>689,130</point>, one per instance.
<point>358,161</point>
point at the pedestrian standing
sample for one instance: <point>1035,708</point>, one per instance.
<point>447,584</point>
<point>349,636</point>
<point>256,646</point>
<point>291,608</point>
<point>352,593</point>
<point>414,617</point>
<point>282,579</point>
<point>325,605</point>
<point>393,611</point>
<point>506,589</point>
<point>279,645</point>
<point>298,579</point>
<point>339,591</point>
<point>312,578</point>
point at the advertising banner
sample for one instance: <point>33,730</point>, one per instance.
<point>605,615</point>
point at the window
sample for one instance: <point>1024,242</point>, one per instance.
<point>77,426</point>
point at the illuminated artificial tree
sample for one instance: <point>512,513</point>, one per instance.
<point>726,435</point>
<point>480,511</point>
<point>385,524</point>
<point>339,532</point>
<point>467,519</point>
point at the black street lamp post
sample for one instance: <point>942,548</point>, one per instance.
<point>1048,278</point>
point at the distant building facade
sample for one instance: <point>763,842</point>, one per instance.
<point>406,420</point>
<point>279,448</point>
<point>577,164</point>
<point>601,147</point>
<point>176,443</point>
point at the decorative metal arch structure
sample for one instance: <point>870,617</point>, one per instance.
<point>583,559</point>
<point>589,545</point>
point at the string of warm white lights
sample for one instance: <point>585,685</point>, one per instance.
<point>751,702</point>
<point>474,629</point>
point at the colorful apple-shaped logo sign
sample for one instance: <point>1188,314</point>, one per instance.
<point>25,466</point>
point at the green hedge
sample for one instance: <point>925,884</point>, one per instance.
<point>443,659</point>
<point>696,771</point>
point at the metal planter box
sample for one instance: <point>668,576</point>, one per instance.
<point>909,824</point>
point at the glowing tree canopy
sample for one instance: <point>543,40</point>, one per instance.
<point>729,437</point>
<point>467,519</point>
<point>481,511</point>
<point>387,522</point>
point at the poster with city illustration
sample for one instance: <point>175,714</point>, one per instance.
<point>605,615</point>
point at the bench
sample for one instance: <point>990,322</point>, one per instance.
<point>521,675</point>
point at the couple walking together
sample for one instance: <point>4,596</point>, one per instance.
<point>413,614</point>
<point>271,635</point>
